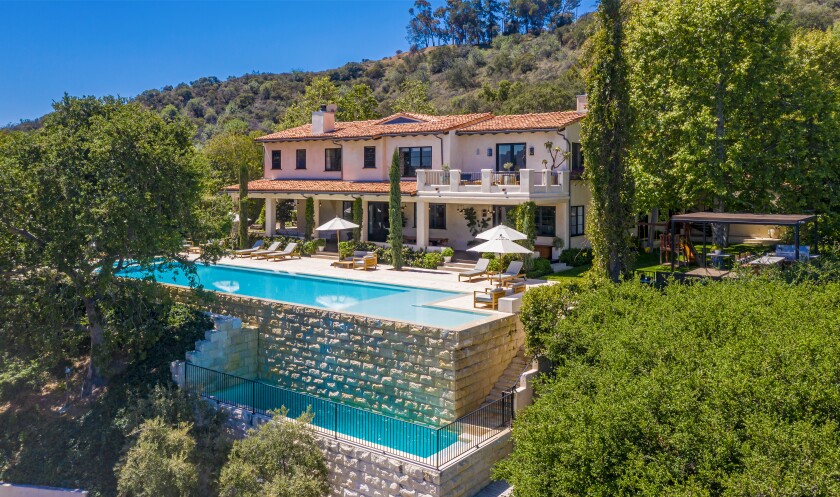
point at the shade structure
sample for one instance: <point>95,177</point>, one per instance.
<point>337,224</point>
<point>506,231</point>
<point>500,245</point>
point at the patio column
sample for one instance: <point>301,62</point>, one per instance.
<point>317,216</point>
<point>270,216</point>
<point>562,224</point>
<point>422,224</point>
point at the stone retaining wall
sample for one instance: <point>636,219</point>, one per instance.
<point>414,372</point>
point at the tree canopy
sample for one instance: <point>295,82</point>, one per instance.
<point>720,389</point>
<point>101,185</point>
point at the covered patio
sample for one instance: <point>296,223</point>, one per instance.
<point>794,221</point>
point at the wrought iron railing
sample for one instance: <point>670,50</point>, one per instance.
<point>503,179</point>
<point>415,442</point>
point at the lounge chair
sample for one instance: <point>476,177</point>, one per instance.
<point>263,254</point>
<point>248,252</point>
<point>512,274</point>
<point>289,252</point>
<point>480,269</point>
<point>488,298</point>
<point>369,261</point>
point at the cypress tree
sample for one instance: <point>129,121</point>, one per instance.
<point>243,206</point>
<point>605,141</point>
<point>395,233</point>
<point>357,218</point>
<point>309,218</point>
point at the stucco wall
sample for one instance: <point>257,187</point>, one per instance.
<point>414,372</point>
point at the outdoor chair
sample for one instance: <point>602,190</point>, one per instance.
<point>480,269</point>
<point>289,252</point>
<point>263,254</point>
<point>248,252</point>
<point>516,288</point>
<point>488,298</point>
<point>369,261</point>
<point>513,273</point>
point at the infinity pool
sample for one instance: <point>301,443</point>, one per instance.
<point>399,303</point>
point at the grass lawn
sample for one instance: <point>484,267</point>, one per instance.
<point>650,262</point>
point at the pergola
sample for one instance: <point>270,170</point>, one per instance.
<point>705,218</point>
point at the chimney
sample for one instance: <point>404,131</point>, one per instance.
<point>323,121</point>
<point>583,103</point>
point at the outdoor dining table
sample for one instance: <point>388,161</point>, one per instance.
<point>766,260</point>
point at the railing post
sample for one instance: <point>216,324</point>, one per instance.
<point>454,180</point>
<point>253,397</point>
<point>525,180</point>
<point>486,180</point>
<point>335,420</point>
<point>437,448</point>
<point>421,178</point>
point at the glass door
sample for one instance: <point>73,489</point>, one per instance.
<point>510,152</point>
<point>377,221</point>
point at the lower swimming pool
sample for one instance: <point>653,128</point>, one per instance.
<point>398,303</point>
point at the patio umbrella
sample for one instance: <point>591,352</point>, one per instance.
<point>499,245</point>
<point>506,231</point>
<point>337,224</point>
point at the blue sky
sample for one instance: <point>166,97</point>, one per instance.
<point>123,47</point>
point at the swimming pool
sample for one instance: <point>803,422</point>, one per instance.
<point>398,303</point>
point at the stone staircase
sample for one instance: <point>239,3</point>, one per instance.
<point>509,378</point>
<point>458,265</point>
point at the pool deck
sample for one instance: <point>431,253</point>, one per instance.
<point>413,277</point>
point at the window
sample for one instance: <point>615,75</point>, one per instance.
<point>332,159</point>
<point>370,158</point>
<point>545,217</point>
<point>577,158</point>
<point>347,210</point>
<point>414,158</point>
<point>500,214</point>
<point>275,159</point>
<point>576,220</point>
<point>437,216</point>
<point>300,159</point>
<point>510,152</point>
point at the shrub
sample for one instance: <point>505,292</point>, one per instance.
<point>540,267</point>
<point>279,459</point>
<point>447,252</point>
<point>576,257</point>
<point>160,464</point>
<point>432,260</point>
<point>724,388</point>
<point>542,307</point>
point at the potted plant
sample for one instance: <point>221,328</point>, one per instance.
<point>320,244</point>
<point>447,253</point>
<point>557,247</point>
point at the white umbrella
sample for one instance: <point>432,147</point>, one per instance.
<point>337,224</point>
<point>500,244</point>
<point>506,231</point>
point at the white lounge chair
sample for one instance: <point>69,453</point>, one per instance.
<point>261,254</point>
<point>512,273</point>
<point>248,252</point>
<point>480,269</point>
<point>290,251</point>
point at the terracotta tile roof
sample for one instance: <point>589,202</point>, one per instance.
<point>323,186</point>
<point>375,128</point>
<point>522,122</point>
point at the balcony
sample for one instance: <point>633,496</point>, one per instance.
<point>525,182</point>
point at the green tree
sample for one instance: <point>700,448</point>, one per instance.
<point>103,184</point>
<point>413,97</point>
<point>705,87</point>
<point>395,221</point>
<point>320,91</point>
<point>720,389</point>
<point>244,221</point>
<point>160,463</point>
<point>279,459</point>
<point>358,214</point>
<point>309,218</point>
<point>526,216</point>
<point>357,104</point>
<point>226,153</point>
<point>605,139</point>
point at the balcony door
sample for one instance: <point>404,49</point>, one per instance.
<point>510,152</point>
<point>378,221</point>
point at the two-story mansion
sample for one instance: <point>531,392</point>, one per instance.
<point>452,166</point>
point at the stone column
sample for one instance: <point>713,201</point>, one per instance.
<point>486,180</point>
<point>422,224</point>
<point>525,180</point>
<point>270,216</point>
<point>364,228</point>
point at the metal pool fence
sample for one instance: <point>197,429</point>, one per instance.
<point>415,442</point>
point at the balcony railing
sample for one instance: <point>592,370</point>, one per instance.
<point>427,445</point>
<point>492,182</point>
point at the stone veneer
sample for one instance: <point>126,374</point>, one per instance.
<point>415,372</point>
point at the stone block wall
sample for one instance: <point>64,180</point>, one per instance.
<point>228,347</point>
<point>419,373</point>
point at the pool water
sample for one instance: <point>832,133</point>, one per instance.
<point>398,303</point>
<point>412,438</point>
